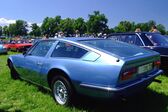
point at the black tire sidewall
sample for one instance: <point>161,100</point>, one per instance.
<point>13,72</point>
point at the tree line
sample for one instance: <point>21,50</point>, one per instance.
<point>96,23</point>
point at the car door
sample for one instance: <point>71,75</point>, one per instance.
<point>34,60</point>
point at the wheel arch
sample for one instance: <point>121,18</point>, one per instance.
<point>56,71</point>
<point>8,61</point>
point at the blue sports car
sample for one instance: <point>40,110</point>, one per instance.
<point>3,49</point>
<point>99,68</point>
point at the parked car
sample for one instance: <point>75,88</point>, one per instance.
<point>19,46</point>
<point>152,41</point>
<point>3,49</point>
<point>99,68</point>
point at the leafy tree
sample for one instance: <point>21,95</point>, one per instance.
<point>133,27</point>
<point>45,26</point>
<point>123,26</point>
<point>111,30</point>
<point>143,26</point>
<point>56,24</point>
<point>166,32</point>
<point>36,31</point>
<point>150,24</point>
<point>6,30</point>
<point>50,26</point>
<point>21,28</point>
<point>80,25</point>
<point>97,23</point>
<point>67,26</point>
<point>161,28</point>
<point>0,30</point>
<point>12,30</point>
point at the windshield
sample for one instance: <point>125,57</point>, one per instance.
<point>158,39</point>
<point>118,48</point>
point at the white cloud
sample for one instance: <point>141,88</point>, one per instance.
<point>4,21</point>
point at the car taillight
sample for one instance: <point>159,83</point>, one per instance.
<point>128,74</point>
<point>157,63</point>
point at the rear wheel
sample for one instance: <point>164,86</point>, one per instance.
<point>14,74</point>
<point>62,90</point>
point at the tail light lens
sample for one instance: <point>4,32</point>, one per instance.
<point>157,64</point>
<point>128,74</point>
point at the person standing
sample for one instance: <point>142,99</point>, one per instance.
<point>154,29</point>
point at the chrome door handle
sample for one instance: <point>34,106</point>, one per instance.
<point>39,63</point>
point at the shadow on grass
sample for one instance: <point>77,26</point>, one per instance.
<point>147,101</point>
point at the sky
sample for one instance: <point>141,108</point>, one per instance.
<point>34,11</point>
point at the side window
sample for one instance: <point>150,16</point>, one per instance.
<point>42,48</point>
<point>138,42</point>
<point>133,39</point>
<point>115,37</point>
<point>68,50</point>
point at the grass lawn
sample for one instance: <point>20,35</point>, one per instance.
<point>22,96</point>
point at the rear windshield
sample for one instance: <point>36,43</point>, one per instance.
<point>158,39</point>
<point>118,48</point>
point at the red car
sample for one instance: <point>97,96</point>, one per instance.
<point>18,46</point>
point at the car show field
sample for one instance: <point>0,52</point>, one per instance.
<point>23,96</point>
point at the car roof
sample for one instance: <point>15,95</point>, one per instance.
<point>78,38</point>
<point>75,39</point>
<point>131,33</point>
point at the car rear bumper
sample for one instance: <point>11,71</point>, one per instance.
<point>107,92</point>
<point>164,63</point>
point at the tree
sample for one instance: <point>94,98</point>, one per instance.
<point>18,29</point>
<point>166,32</point>
<point>21,28</point>
<point>67,26</point>
<point>50,26</point>
<point>12,30</point>
<point>6,30</point>
<point>56,24</point>
<point>123,26</point>
<point>80,25</point>
<point>143,26</point>
<point>97,23</point>
<point>161,29</point>
<point>36,31</point>
<point>0,30</point>
<point>150,24</point>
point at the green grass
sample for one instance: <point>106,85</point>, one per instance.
<point>22,96</point>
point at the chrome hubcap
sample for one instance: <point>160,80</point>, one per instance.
<point>60,92</point>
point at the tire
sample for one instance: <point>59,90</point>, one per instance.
<point>13,73</point>
<point>62,90</point>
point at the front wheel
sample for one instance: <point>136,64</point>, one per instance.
<point>62,90</point>
<point>14,74</point>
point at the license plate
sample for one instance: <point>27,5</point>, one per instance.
<point>144,68</point>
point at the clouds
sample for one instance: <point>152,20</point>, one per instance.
<point>4,21</point>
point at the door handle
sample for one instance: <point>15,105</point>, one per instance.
<point>39,63</point>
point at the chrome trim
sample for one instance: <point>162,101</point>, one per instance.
<point>140,39</point>
<point>164,55</point>
<point>110,89</point>
<point>47,88</point>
